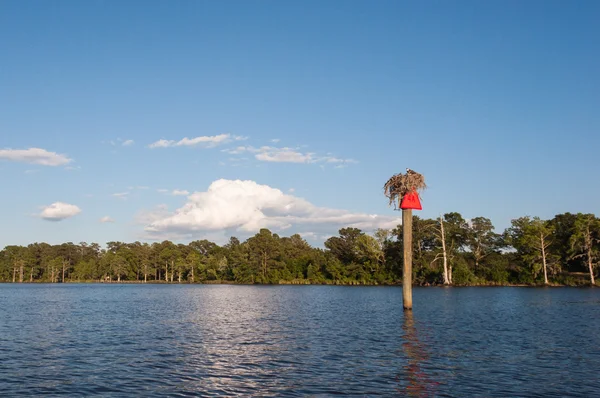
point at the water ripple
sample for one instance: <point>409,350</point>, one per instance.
<point>292,341</point>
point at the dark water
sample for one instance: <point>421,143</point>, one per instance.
<point>160,340</point>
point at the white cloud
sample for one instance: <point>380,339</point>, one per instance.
<point>273,154</point>
<point>149,216</point>
<point>275,140</point>
<point>286,155</point>
<point>332,159</point>
<point>106,219</point>
<point>180,192</point>
<point>236,150</point>
<point>206,141</point>
<point>34,156</point>
<point>128,143</point>
<point>161,144</point>
<point>59,211</point>
<point>121,195</point>
<point>243,207</point>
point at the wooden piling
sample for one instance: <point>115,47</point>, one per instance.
<point>407,270</point>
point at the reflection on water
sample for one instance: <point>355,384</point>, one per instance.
<point>237,341</point>
<point>169,340</point>
<point>419,383</point>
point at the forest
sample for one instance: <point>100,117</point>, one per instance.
<point>450,250</point>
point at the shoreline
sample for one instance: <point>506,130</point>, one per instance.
<point>292,283</point>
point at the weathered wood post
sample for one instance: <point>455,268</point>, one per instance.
<point>403,188</point>
<point>407,269</point>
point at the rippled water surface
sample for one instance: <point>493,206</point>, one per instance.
<point>171,340</point>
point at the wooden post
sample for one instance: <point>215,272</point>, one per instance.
<point>407,270</point>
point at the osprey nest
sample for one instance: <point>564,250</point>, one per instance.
<point>401,184</point>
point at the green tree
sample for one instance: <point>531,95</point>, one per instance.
<point>532,239</point>
<point>315,265</point>
<point>296,255</point>
<point>563,226</point>
<point>119,266</point>
<point>584,240</point>
<point>192,261</point>
<point>54,267</point>
<point>481,239</point>
<point>264,248</point>
<point>424,245</point>
<point>86,269</point>
<point>182,266</point>
<point>369,252</point>
<point>37,256</point>
<point>456,232</point>
<point>204,247</point>
<point>237,255</point>
<point>334,268</point>
<point>144,256</point>
<point>167,256</point>
<point>343,246</point>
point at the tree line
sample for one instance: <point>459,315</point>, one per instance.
<point>448,250</point>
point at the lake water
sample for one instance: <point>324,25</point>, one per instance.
<point>195,340</point>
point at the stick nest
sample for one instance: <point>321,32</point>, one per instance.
<point>400,184</point>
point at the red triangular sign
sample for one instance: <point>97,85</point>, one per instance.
<point>411,201</point>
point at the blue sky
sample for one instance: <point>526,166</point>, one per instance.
<point>311,105</point>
